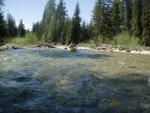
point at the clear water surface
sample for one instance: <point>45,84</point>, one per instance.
<point>58,81</point>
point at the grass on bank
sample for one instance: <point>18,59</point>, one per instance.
<point>121,41</point>
<point>29,39</point>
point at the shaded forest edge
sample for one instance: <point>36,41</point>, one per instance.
<point>123,24</point>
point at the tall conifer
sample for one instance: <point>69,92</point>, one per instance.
<point>146,22</point>
<point>76,28</point>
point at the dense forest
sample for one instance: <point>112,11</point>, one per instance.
<point>109,19</point>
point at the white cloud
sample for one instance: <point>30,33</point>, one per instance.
<point>27,26</point>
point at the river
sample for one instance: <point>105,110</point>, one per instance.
<point>58,81</point>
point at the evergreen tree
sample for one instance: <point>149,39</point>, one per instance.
<point>21,29</point>
<point>37,29</point>
<point>97,19</point>
<point>107,31</point>
<point>84,32</point>
<point>146,22</point>
<point>128,15</point>
<point>68,31</point>
<point>61,19</point>
<point>76,28</point>
<point>12,28</point>
<point>52,29</point>
<point>2,25</point>
<point>136,20</point>
<point>48,14</point>
<point>115,17</point>
<point>90,28</point>
<point>122,12</point>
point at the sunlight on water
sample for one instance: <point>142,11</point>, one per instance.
<point>44,80</point>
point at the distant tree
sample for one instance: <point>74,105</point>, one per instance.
<point>107,31</point>
<point>11,26</point>
<point>48,16</point>
<point>146,22</point>
<point>37,29</point>
<point>90,28</point>
<point>21,29</point>
<point>115,16</point>
<point>97,19</point>
<point>84,32</point>
<point>128,15</point>
<point>122,12</point>
<point>136,20</point>
<point>68,30</point>
<point>2,25</point>
<point>52,29</point>
<point>76,28</point>
<point>60,22</point>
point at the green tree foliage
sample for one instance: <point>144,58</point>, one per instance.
<point>11,26</point>
<point>60,22</point>
<point>2,25</point>
<point>37,29</point>
<point>90,28</point>
<point>21,29</point>
<point>146,22</point>
<point>76,28</point>
<point>108,20</point>
<point>122,12</point>
<point>84,32</point>
<point>116,16</point>
<point>69,30</point>
<point>97,19</point>
<point>107,31</point>
<point>128,15</point>
<point>52,29</point>
<point>48,16</point>
<point>136,20</point>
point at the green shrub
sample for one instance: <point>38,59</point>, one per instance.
<point>29,39</point>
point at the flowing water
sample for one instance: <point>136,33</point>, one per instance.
<point>58,81</point>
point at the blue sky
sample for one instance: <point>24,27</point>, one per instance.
<point>31,11</point>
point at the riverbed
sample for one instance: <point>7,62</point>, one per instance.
<point>87,81</point>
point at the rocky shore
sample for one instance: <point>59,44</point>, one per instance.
<point>42,45</point>
<point>95,48</point>
<point>8,47</point>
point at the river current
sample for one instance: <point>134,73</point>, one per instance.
<point>58,81</point>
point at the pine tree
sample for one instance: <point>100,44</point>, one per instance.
<point>12,28</point>
<point>97,19</point>
<point>60,22</point>
<point>128,15</point>
<point>122,14</point>
<point>2,25</point>
<point>21,29</point>
<point>68,31</point>
<point>146,22</point>
<point>136,20</point>
<point>107,31</point>
<point>84,32</point>
<point>37,29</point>
<point>76,28</point>
<point>48,14</point>
<point>52,29</point>
<point>115,17</point>
<point>90,28</point>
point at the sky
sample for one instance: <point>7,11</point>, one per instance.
<point>31,11</point>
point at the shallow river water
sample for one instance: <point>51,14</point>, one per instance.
<point>58,81</point>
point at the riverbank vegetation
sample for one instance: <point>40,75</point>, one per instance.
<point>122,23</point>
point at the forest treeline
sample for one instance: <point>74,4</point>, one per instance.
<point>109,19</point>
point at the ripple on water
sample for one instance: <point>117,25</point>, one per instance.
<point>85,81</point>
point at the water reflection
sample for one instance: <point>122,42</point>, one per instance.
<point>60,81</point>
